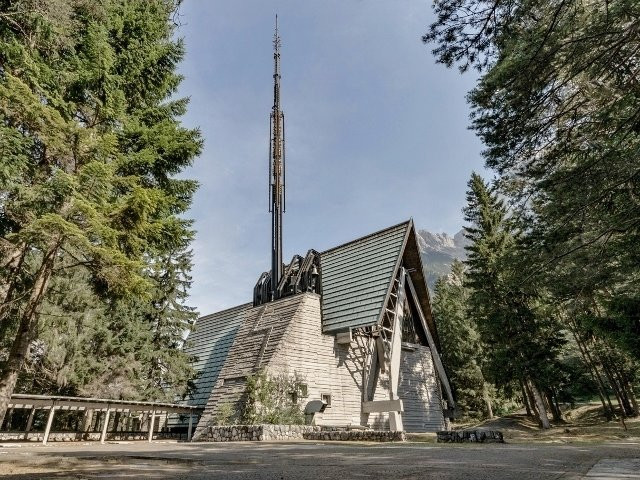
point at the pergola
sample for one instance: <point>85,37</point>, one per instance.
<point>54,403</point>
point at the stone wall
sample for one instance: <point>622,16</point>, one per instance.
<point>356,435</point>
<point>265,433</point>
<point>241,433</point>
<point>462,436</point>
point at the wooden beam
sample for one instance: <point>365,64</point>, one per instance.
<point>383,406</point>
<point>19,400</point>
<point>190,430</point>
<point>395,419</point>
<point>344,338</point>
<point>151,425</point>
<point>47,430</point>
<point>103,435</point>
<point>432,346</point>
<point>32,413</point>
<point>380,353</point>
<point>370,370</point>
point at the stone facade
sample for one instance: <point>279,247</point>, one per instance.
<point>266,433</point>
<point>257,433</point>
<point>286,336</point>
<point>356,435</point>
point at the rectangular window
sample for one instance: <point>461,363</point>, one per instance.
<point>326,399</point>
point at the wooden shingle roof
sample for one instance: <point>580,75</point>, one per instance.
<point>210,343</point>
<point>357,277</point>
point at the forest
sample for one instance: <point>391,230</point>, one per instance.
<point>95,257</point>
<point>546,309</point>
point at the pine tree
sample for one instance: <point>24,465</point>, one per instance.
<point>522,340</point>
<point>557,106</point>
<point>462,351</point>
<point>90,140</point>
<point>168,366</point>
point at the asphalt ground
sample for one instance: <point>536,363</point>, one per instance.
<point>326,460</point>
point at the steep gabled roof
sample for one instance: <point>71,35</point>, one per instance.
<point>356,278</point>
<point>210,343</point>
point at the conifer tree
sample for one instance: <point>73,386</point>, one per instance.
<point>462,352</point>
<point>522,341</point>
<point>91,140</point>
<point>558,106</point>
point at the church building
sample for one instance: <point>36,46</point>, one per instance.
<point>353,324</point>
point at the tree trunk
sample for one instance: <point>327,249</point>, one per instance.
<point>28,321</point>
<point>614,387</point>
<point>7,423</point>
<point>555,411</point>
<point>628,399</point>
<point>525,400</point>
<point>557,406</point>
<point>7,286</point>
<point>542,412</point>
<point>12,258</point>
<point>609,412</point>
<point>532,401</point>
<point>87,420</point>
<point>632,396</point>
<point>487,400</point>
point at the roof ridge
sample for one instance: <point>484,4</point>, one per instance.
<point>236,307</point>
<point>406,222</point>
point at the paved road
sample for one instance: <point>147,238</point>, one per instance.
<point>283,461</point>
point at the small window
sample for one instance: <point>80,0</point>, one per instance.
<point>326,399</point>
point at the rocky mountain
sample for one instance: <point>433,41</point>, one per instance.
<point>438,250</point>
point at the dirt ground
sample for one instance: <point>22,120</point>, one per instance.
<point>585,423</point>
<point>586,446</point>
<point>312,460</point>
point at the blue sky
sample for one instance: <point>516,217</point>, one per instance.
<point>376,131</point>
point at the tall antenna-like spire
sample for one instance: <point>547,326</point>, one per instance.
<point>276,171</point>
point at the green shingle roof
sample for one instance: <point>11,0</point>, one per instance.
<point>356,278</point>
<point>210,343</point>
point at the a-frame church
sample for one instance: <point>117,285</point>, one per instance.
<point>353,323</point>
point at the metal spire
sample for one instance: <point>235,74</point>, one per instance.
<point>276,171</point>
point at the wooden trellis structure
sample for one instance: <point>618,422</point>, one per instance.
<point>58,403</point>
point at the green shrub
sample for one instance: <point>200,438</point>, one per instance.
<point>274,399</point>
<point>225,414</point>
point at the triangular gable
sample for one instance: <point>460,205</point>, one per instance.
<point>356,278</point>
<point>412,261</point>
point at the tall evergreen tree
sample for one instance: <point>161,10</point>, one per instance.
<point>91,140</point>
<point>462,351</point>
<point>558,107</point>
<point>522,340</point>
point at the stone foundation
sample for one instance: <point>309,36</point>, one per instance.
<point>265,433</point>
<point>243,433</point>
<point>479,436</point>
<point>357,435</point>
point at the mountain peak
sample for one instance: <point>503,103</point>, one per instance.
<point>438,251</point>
